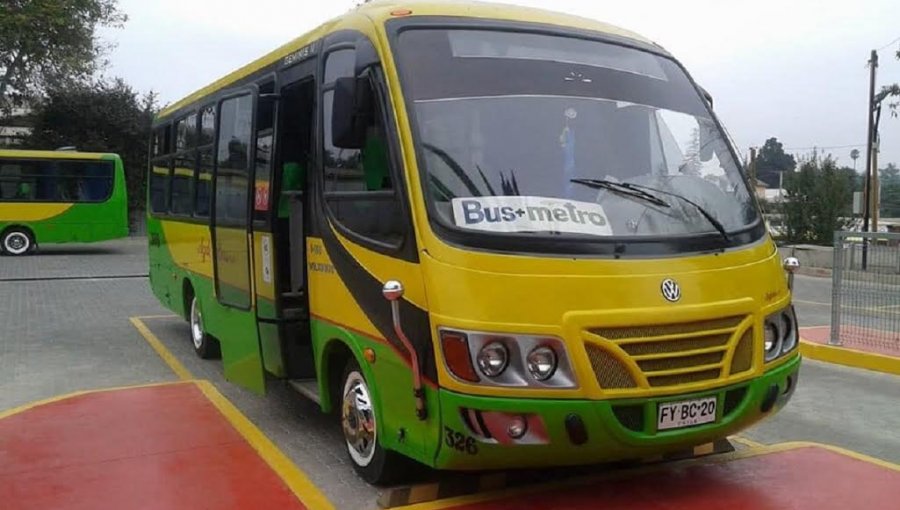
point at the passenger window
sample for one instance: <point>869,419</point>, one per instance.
<point>359,190</point>
<point>159,186</point>
<point>207,125</point>
<point>233,152</point>
<point>204,183</point>
<point>160,141</point>
<point>186,133</point>
<point>182,183</point>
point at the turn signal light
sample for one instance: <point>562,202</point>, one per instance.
<point>456,354</point>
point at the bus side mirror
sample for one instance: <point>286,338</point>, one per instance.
<point>350,112</point>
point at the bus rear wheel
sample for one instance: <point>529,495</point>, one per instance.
<point>17,241</point>
<point>372,462</point>
<point>205,346</point>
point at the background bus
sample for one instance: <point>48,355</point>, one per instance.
<point>60,197</point>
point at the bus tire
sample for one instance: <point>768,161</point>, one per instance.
<point>205,346</point>
<point>16,241</point>
<point>371,461</point>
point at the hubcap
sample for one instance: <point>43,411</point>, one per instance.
<point>196,324</point>
<point>358,420</point>
<point>16,243</point>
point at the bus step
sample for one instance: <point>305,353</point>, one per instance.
<point>293,294</point>
<point>294,313</point>
<point>309,388</point>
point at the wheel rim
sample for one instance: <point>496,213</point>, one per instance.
<point>358,420</point>
<point>16,243</point>
<point>196,324</point>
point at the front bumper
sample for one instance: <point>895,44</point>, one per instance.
<point>613,429</point>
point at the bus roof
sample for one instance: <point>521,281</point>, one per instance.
<point>380,11</point>
<point>24,154</point>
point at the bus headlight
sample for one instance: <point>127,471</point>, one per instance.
<point>509,360</point>
<point>541,363</point>
<point>492,359</point>
<point>780,333</point>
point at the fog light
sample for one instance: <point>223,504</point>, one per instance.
<point>492,359</point>
<point>517,427</point>
<point>542,363</point>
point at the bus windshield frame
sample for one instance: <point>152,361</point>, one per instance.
<point>687,101</point>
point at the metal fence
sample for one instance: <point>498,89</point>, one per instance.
<point>865,305</point>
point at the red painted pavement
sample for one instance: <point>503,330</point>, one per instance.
<point>806,478</point>
<point>858,338</point>
<point>164,447</point>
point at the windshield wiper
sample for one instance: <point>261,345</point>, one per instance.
<point>706,214</point>
<point>622,189</point>
<point>641,191</point>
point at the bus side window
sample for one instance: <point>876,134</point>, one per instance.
<point>160,170</point>
<point>376,213</point>
<point>185,165</point>
<point>206,141</point>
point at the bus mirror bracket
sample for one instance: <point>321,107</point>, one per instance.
<point>393,292</point>
<point>350,112</point>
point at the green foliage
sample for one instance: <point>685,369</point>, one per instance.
<point>818,201</point>
<point>889,181</point>
<point>102,117</point>
<point>772,161</point>
<point>42,41</point>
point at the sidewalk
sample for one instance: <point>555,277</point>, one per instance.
<point>165,446</point>
<point>859,348</point>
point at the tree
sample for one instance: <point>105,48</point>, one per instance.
<point>818,201</point>
<point>42,41</point>
<point>100,116</point>
<point>772,161</point>
<point>889,182</point>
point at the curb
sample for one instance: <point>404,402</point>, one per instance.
<point>462,484</point>
<point>850,357</point>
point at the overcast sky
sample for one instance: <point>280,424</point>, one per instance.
<point>786,68</point>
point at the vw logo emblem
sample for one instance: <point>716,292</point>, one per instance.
<point>670,290</point>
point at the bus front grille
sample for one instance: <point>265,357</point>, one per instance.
<point>669,354</point>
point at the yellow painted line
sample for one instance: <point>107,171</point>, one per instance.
<point>716,459</point>
<point>843,451</point>
<point>811,302</point>
<point>293,477</point>
<point>850,357</point>
<point>183,373</point>
<point>296,480</point>
<point>167,316</point>
<point>746,442</point>
<point>65,396</point>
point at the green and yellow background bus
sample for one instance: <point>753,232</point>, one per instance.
<point>485,236</point>
<point>60,197</point>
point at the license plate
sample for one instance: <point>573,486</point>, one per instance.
<point>687,413</point>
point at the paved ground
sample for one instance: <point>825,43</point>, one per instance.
<point>58,336</point>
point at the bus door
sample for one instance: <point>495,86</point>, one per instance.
<point>293,160</point>
<point>234,320</point>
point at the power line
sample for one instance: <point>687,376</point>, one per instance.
<point>814,147</point>
<point>888,44</point>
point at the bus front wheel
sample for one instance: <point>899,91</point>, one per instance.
<point>371,461</point>
<point>204,345</point>
<point>17,241</point>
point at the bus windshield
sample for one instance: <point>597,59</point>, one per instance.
<point>544,135</point>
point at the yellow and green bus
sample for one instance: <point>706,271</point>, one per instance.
<point>60,197</point>
<point>484,236</point>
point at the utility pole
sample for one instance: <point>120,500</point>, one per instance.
<point>873,65</point>
<point>876,186</point>
<point>753,168</point>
